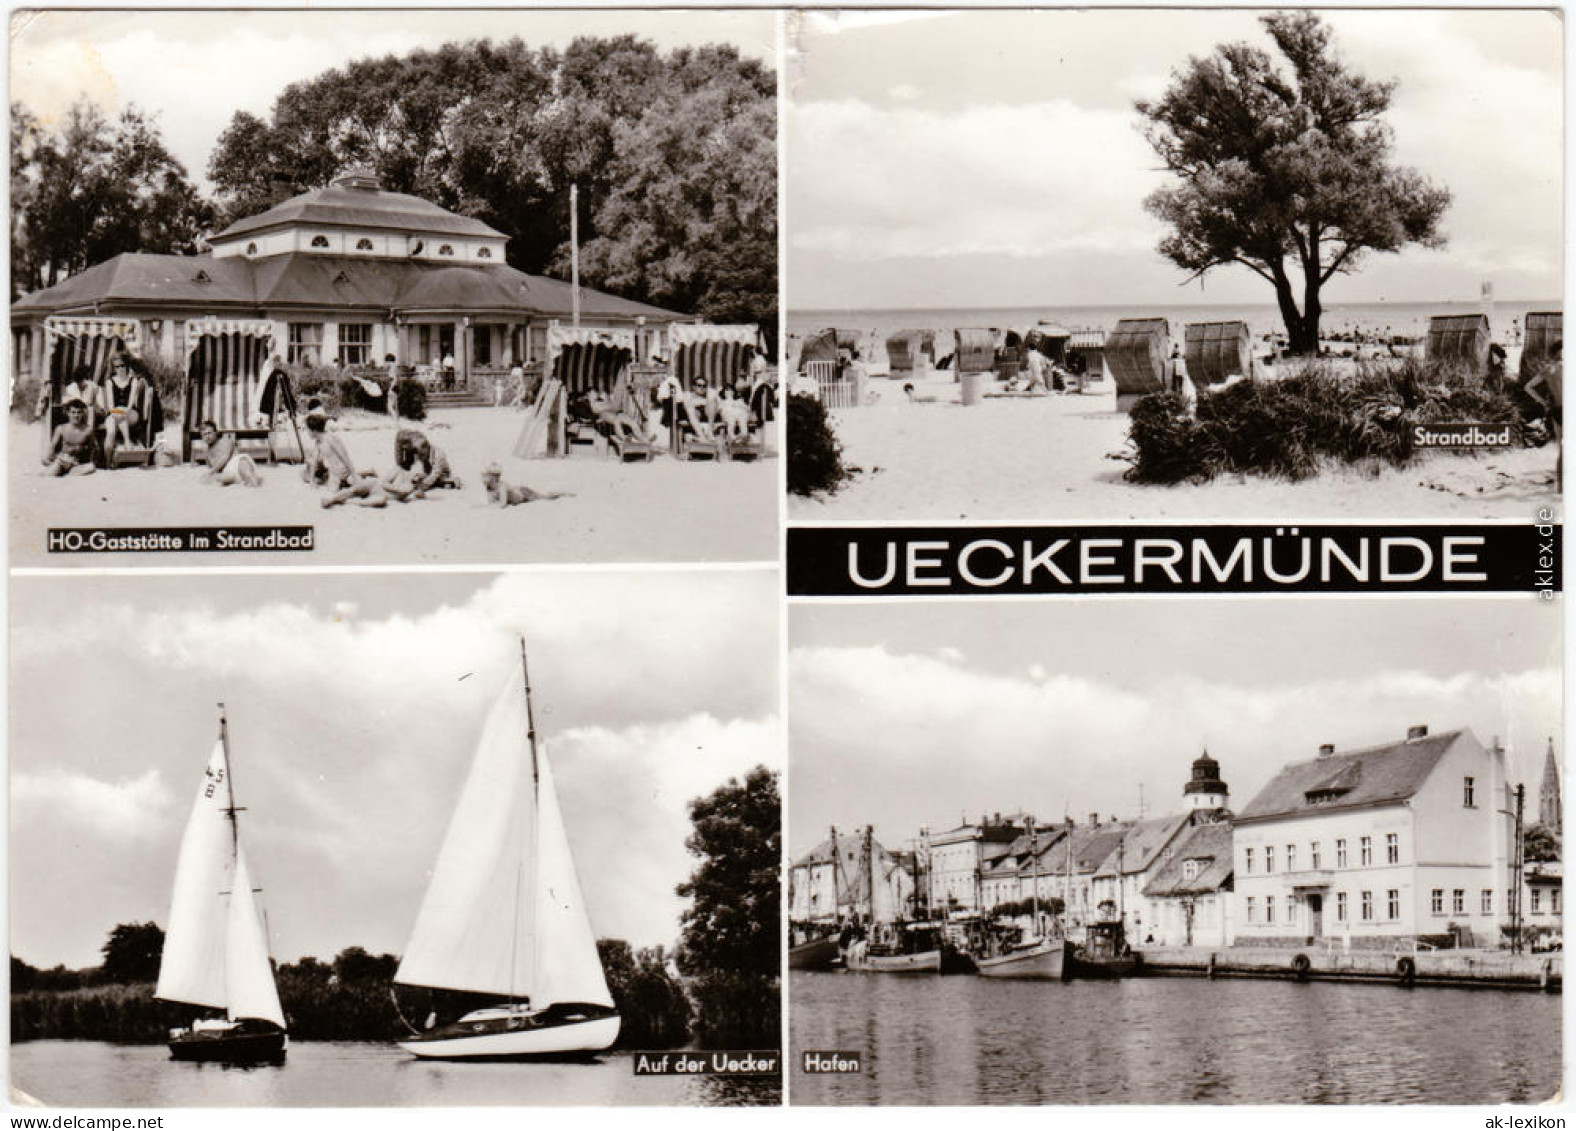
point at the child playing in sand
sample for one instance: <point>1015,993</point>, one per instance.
<point>226,465</point>
<point>71,445</point>
<point>503,494</point>
<point>412,449</point>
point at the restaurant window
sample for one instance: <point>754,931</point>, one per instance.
<point>320,241</point>
<point>484,253</point>
<point>306,343</point>
<point>1340,906</point>
<point>1368,905</point>
<point>1436,901</point>
<point>1340,852</point>
<point>251,249</point>
<point>1393,904</point>
<point>355,343</point>
<point>363,244</point>
<point>1367,848</point>
<point>1392,848</point>
<point>446,249</point>
<point>481,345</point>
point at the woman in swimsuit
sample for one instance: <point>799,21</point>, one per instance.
<point>122,400</point>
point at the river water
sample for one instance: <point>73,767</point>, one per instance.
<point>964,1040</point>
<point>349,1074</point>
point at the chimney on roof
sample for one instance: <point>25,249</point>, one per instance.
<point>1326,749</point>
<point>997,820</point>
<point>1419,731</point>
<point>1094,820</point>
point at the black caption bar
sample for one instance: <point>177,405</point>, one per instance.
<point>178,539</point>
<point>722,1063</point>
<point>913,561</point>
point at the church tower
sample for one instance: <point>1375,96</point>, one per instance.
<point>1549,794</point>
<point>1205,793</point>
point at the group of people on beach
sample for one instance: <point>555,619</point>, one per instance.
<point>102,416</point>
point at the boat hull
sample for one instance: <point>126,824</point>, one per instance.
<point>818,954</point>
<point>230,1047</point>
<point>1101,969</point>
<point>1046,962</point>
<point>922,962</point>
<point>519,1037</point>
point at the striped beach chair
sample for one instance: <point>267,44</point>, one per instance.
<point>83,347</point>
<point>719,356</point>
<point>229,381</point>
<point>582,360</point>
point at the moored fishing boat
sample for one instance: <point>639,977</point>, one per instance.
<point>1045,959</point>
<point>1104,953</point>
<point>216,948</point>
<point>504,914</point>
<point>814,954</point>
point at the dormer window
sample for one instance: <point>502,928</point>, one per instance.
<point>251,249</point>
<point>363,244</point>
<point>201,277</point>
<point>446,249</point>
<point>341,279</point>
<point>320,241</point>
<point>484,253</point>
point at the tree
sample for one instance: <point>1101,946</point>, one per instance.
<point>353,965</point>
<point>733,919</point>
<point>90,190</point>
<point>132,953</point>
<point>1539,844</point>
<point>1287,174</point>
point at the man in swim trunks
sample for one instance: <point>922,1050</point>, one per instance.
<point>71,445</point>
<point>226,465</point>
<point>344,482</point>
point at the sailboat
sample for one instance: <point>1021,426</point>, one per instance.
<point>1034,957</point>
<point>892,946</point>
<point>504,914</point>
<point>216,948</point>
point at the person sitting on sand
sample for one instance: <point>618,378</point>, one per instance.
<point>72,443</point>
<point>503,494</point>
<point>412,450</point>
<point>914,398</point>
<point>331,460</point>
<point>1037,362</point>
<point>226,464</point>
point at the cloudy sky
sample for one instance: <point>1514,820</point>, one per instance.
<point>994,158</point>
<point>902,720</point>
<point>196,69</point>
<point>354,705</point>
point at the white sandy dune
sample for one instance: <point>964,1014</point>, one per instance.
<point>1048,459</point>
<point>663,511</point>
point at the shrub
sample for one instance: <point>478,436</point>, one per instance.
<point>815,457</point>
<point>737,1010</point>
<point>411,399</point>
<point>1290,426</point>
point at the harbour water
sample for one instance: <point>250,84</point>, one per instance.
<point>965,1040</point>
<point>350,1074</point>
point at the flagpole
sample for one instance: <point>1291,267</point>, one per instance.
<point>574,252</point>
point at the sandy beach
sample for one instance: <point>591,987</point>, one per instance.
<point>1048,458</point>
<point>663,511</point>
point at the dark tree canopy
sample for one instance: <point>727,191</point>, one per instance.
<point>733,919</point>
<point>1284,169</point>
<point>1539,844</point>
<point>674,156</point>
<point>132,953</point>
<point>92,189</point>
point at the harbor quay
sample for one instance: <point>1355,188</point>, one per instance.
<point>1481,968</point>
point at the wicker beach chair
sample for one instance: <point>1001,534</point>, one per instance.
<point>229,381</point>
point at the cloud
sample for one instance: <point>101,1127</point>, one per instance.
<point>125,809</point>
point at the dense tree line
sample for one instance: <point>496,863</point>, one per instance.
<point>674,155</point>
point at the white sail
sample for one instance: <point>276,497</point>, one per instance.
<point>568,966</point>
<point>192,969</point>
<point>476,927</point>
<point>883,900</point>
<point>248,975</point>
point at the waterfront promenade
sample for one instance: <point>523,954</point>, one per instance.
<point>1488,969</point>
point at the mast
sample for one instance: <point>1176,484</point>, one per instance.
<point>230,810</point>
<point>1034,878</point>
<point>536,786</point>
<point>870,875</point>
<point>837,871</point>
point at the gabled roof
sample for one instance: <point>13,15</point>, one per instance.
<point>1091,847</point>
<point>341,205</point>
<point>1145,840</point>
<point>1211,846</point>
<point>1377,775</point>
<point>856,880</point>
<point>315,280</point>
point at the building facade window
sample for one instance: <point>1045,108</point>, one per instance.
<point>1537,901</point>
<point>1340,907</point>
<point>1368,905</point>
<point>1488,901</point>
<point>1393,904</point>
<point>1190,869</point>
<point>481,345</point>
<point>1313,855</point>
<point>1468,793</point>
<point>1340,852</point>
<point>1269,909</point>
<point>446,249</point>
<point>1291,857</point>
<point>306,343</point>
<point>251,249</point>
<point>363,244</point>
<point>1269,858</point>
<point>1436,901</point>
<point>355,343</point>
<point>1247,860</point>
<point>484,253</point>
<point>1366,848</point>
<point>320,241</point>
<point>1458,901</point>
<point>1392,848</point>
<point>1253,910</point>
